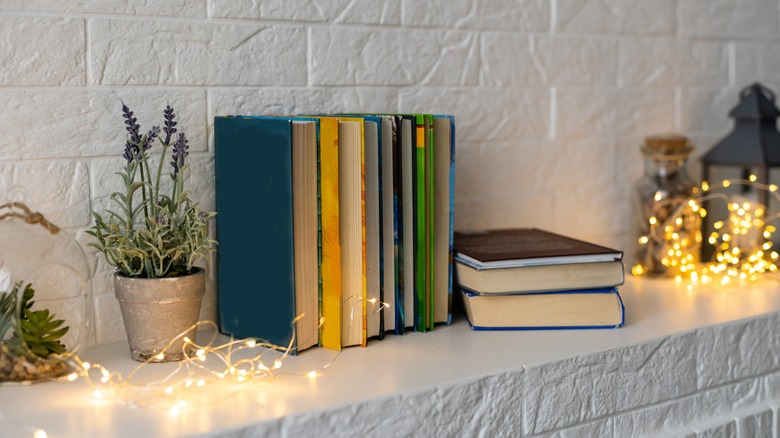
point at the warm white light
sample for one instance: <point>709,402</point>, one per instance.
<point>72,377</point>
<point>250,343</point>
<point>97,394</point>
<point>312,374</point>
<point>40,433</point>
<point>169,390</point>
<point>160,356</point>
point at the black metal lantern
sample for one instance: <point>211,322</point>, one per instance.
<point>753,146</point>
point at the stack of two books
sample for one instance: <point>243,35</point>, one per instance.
<point>533,279</point>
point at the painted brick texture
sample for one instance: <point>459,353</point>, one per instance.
<point>552,99</point>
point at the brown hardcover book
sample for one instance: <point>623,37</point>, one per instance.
<point>529,259</point>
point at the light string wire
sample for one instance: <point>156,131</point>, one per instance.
<point>233,366</point>
<point>742,241</point>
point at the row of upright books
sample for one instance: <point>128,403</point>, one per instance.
<point>334,229</point>
<point>533,279</point>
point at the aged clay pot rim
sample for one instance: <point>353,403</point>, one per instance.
<point>197,271</point>
<point>167,290</point>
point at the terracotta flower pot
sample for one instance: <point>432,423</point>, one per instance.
<point>157,310</point>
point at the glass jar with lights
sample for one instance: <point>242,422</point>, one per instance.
<point>668,228</point>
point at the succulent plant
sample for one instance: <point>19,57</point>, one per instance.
<point>36,332</point>
<point>7,313</point>
<point>40,331</point>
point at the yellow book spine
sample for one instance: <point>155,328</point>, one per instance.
<point>331,246</point>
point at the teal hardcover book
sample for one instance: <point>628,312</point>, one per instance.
<point>256,259</point>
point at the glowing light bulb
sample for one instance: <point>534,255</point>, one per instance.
<point>705,186</point>
<point>86,366</point>
<point>160,356</point>
<point>277,364</point>
<point>752,178</point>
<point>40,433</point>
<point>312,374</point>
<point>97,394</point>
<point>72,377</point>
<point>250,343</point>
<point>643,240</point>
<point>726,183</point>
<point>169,390</point>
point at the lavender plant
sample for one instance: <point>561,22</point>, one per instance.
<point>153,234</point>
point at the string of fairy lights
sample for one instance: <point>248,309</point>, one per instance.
<point>742,241</point>
<point>232,366</point>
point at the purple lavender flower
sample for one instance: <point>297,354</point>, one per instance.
<point>179,153</point>
<point>170,124</point>
<point>147,141</point>
<point>133,128</point>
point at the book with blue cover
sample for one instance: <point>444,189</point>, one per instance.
<point>570,309</point>
<point>266,193</point>
<point>443,217</point>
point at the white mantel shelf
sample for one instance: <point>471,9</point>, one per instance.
<point>685,361</point>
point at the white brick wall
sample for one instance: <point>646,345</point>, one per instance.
<point>552,98</point>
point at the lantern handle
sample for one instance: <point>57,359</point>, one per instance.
<point>759,88</point>
<point>27,215</point>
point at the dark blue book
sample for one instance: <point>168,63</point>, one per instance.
<point>569,309</point>
<point>256,259</point>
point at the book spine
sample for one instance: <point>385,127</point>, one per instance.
<point>451,253</point>
<point>330,264</point>
<point>381,231</point>
<point>398,229</point>
<point>419,227</point>
<point>429,221</point>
